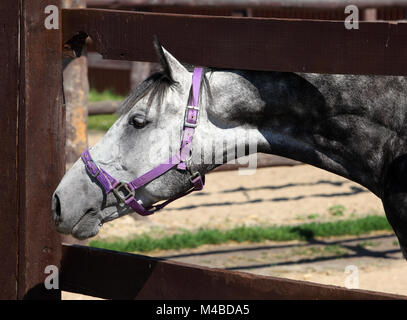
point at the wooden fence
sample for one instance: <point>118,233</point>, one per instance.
<point>121,76</point>
<point>245,43</point>
<point>32,160</point>
<point>85,270</point>
<point>33,123</point>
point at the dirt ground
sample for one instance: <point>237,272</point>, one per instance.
<point>277,196</point>
<point>376,256</point>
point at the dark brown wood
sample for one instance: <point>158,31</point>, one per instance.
<point>246,3</point>
<point>41,143</point>
<point>95,60</point>
<point>114,80</point>
<point>265,12</point>
<point>114,275</point>
<point>287,9</point>
<point>117,81</point>
<point>246,43</point>
<point>10,18</point>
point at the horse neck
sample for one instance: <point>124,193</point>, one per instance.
<point>320,120</point>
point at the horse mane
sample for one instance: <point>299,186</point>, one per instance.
<point>158,83</point>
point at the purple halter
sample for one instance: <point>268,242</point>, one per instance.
<point>126,191</point>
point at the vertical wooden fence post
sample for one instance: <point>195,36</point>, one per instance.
<point>33,138</point>
<point>10,17</point>
<point>76,89</point>
<point>41,146</point>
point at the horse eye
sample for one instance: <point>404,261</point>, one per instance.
<point>138,123</point>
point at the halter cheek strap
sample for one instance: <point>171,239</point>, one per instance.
<point>126,191</point>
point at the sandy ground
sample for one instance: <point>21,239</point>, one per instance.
<point>376,257</point>
<point>276,196</point>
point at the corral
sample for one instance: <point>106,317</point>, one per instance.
<point>33,161</point>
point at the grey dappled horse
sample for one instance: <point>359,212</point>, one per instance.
<point>354,126</point>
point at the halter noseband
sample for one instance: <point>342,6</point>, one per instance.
<point>125,191</point>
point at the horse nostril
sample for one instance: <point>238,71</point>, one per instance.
<point>56,209</point>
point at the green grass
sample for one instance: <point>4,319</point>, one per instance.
<point>101,122</point>
<point>337,210</point>
<point>193,239</point>
<point>96,96</point>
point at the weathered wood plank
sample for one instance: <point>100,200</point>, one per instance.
<point>95,60</point>
<point>76,91</point>
<point>246,43</point>
<point>41,145</point>
<point>85,270</point>
<point>320,4</point>
<point>10,19</point>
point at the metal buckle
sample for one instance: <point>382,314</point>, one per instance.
<point>130,193</point>
<point>188,124</point>
<point>89,169</point>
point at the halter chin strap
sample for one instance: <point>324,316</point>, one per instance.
<point>125,191</point>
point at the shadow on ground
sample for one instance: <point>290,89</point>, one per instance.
<point>320,252</point>
<point>353,191</point>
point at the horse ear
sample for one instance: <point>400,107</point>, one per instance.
<point>172,68</point>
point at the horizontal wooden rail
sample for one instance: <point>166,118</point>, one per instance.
<point>320,4</point>
<point>114,275</point>
<point>378,48</point>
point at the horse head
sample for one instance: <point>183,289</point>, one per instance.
<point>155,151</point>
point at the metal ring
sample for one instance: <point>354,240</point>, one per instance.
<point>124,185</point>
